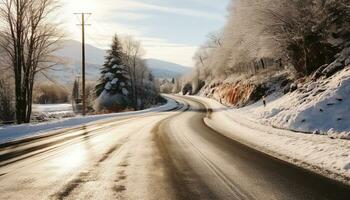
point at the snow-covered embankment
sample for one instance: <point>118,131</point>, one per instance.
<point>15,132</point>
<point>319,107</point>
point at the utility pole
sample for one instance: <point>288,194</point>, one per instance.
<point>83,57</point>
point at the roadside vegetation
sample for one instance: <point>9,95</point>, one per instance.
<point>300,35</point>
<point>126,82</point>
<point>49,93</point>
<point>28,37</point>
<point>288,42</point>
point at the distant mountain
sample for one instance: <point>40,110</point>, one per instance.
<point>71,51</point>
<point>163,69</point>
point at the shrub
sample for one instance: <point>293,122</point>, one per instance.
<point>47,93</point>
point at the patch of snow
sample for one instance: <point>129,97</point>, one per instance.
<point>47,112</point>
<point>125,92</point>
<point>109,76</point>
<point>114,81</point>
<point>48,108</point>
<point>108,86</point>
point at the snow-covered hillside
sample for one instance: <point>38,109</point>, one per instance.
<point>163,69</point>
<point>320,107</point>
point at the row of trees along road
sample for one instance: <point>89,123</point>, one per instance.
<point>28,38</point>
<point>302,34</point>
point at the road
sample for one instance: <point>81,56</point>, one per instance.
<point>165,155</point>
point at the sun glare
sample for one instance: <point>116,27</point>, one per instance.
<point>81,5</point>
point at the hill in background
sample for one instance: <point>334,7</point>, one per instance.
<point>71,52</point>
<point>164,69</point>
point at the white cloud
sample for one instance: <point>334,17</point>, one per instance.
<point>156,48</point>
<point>180,55</point>
<point>134,5</point>
<point>115,6</point>
<point>160,49</point>
<point>105,22</point>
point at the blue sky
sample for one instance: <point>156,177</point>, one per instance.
<point>170,30</point>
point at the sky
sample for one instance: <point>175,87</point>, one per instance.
<point>169,30</point>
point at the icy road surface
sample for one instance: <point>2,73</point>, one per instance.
<point>164,155</point>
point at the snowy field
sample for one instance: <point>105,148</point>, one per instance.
<point>52,108</point>
<point>15,132</point>
<point>319,153</point>
<point>51,112</point>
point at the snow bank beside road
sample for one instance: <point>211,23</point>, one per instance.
<point>321,107</point>
<point>15,132</point>
<point>317,153</point>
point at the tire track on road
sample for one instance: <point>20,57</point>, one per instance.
<point>89,175</point>
<point>93,172</point>
<point>236,192</point>
<point>231,186</point>
<point>186,183</point>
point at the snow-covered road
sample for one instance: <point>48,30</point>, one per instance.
<point>157,155</point>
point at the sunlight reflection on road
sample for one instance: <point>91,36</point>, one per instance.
<point>74,159</point>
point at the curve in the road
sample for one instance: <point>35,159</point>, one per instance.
<point>229,169</point>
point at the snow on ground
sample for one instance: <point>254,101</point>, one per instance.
<point>48,112</point>
<point>49,108</point>
<point>319,153</point>
<point>321,107</point>
<point>15,132</point>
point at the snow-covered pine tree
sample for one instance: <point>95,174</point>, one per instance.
<point>114,78</point>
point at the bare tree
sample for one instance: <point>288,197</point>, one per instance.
<point>28,38</point>
<point>133,52</point>
<point>143,76</point>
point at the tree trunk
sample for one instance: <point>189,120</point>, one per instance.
<point>262,63</point>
